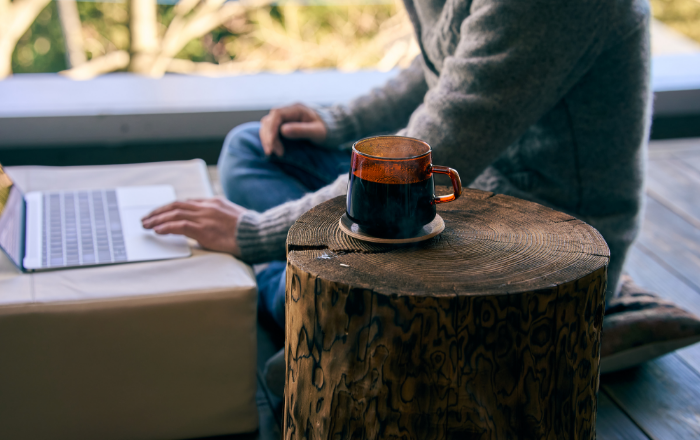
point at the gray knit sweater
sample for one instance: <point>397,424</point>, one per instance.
<point>546,100</point>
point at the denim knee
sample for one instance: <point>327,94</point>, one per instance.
<point>242,148</point>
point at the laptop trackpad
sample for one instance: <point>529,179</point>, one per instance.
<point>142,244</point>
<point>151,196</point>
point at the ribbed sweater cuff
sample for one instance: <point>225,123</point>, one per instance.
<point>262,237</point>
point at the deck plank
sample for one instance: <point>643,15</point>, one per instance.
<point>661,396</point>
<point>613,424</point>
<point>670,148</point>
<point>691,356</point>
<point>674,242</point>
<point>674,184</point>
<point>651,275</point>
<point>644,268</point>
<point>692,160</point>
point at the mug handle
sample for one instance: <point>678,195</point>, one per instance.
<point>456,183</point>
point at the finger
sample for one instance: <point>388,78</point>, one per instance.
<point>208,202</point>
<point>188,205</point>
<point>277,147</point>
<point>314,131</point>
<point>169,216</point>
<point>269,128</point>
<point>269,134</point>
<point>295,112</point>
<point>180,227</point>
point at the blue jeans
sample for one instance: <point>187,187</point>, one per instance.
<point>255,181</point>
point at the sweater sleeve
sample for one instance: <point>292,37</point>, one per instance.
<point>513,62</point>
<point>383,110</point>
<point>262,236</point>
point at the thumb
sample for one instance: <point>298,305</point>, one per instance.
<point>314,131</point>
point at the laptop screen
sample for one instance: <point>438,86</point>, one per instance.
<point>11,219</point>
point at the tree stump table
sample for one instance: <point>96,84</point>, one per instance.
<point>490,330</point>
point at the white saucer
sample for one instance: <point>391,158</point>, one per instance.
<point>429,231</point>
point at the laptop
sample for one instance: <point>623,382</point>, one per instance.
<point>46,230</point>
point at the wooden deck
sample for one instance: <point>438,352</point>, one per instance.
<point>659,400</point>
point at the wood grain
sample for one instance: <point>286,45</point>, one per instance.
<point>650,272</point>
<point>490,330</point>
<point>613,424</point>
<point>670,148</point>
<point>673,183</point>
<point>693,159</point>
<point>661,396</point>
<point>673,241</point>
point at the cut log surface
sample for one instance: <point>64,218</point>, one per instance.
<point>490,330</point>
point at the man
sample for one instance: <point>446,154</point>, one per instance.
<point>545,100</point>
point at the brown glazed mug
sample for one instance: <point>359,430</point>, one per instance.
<point>391,192</point>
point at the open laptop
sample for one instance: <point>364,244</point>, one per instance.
<point>44,230</point>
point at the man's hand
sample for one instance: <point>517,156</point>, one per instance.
<point>293,122</point>
<point>212,222</point>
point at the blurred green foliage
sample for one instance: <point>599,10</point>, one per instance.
<point>41,48</point>
<point>236,39</point>
<point>105,28</point>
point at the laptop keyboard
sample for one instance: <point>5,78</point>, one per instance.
<point>80,228</point>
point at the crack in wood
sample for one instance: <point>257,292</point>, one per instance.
<point>306,247</point>
<point>332,253</point>
<point>364,251</point>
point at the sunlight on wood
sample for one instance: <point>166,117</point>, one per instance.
<point>110,62</point>
<point>72,32</point>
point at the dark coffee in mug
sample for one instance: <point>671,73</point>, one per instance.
<point>391,192</point>
<point>391,210</point>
